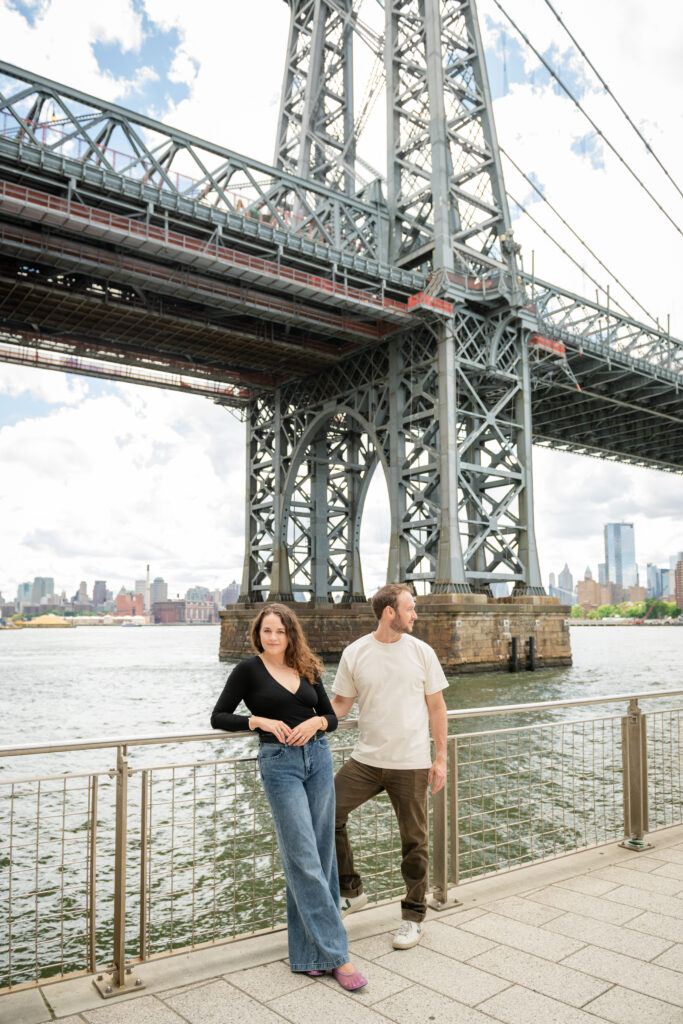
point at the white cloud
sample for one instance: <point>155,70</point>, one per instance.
<point>59,42</point>
<point>122,479</point>
<point>44,385</point>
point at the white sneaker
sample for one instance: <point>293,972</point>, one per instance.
<point>350,904</point>
<point>409,934</point>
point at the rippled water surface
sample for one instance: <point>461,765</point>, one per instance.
<point>89,682</point>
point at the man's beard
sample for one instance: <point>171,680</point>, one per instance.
<point>396,628</point>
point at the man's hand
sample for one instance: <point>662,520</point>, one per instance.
<point>438,721</point>
<point>437,773</point>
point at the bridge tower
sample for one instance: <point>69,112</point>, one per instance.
<point>444,408</point>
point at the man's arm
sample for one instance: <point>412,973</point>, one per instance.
<point>342,705</point>
<point>438,722</point>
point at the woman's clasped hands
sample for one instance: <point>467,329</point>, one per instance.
<point>295,737</point>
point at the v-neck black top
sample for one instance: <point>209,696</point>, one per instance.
<point>251,682</point>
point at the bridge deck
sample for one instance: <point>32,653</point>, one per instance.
<point>595,936</point>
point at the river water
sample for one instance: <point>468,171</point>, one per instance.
<point>211,865</point>
<point>59,685</point>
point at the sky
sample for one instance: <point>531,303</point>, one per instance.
<point>98,479</point>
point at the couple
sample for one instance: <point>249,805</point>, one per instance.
<point>397,681</point>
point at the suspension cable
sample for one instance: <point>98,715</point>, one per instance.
<point>569,256</point>
<point>590,120</point>
<point>588,249</point>
<point>607,89</point>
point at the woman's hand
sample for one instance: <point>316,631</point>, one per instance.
<point>302,733</point>
<point>279,729</point>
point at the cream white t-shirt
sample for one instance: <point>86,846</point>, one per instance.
<point>390,682</point>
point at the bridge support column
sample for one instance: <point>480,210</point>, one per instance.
<point>528,552</point>
<point>450,568</point>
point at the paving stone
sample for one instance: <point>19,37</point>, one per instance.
<point>319,1003</point>
<point>658,924</point>
<point>602,909</point>
<point>587,884</point>
<point>655,981</point>
<point>27,1007</point>
<point>641,862</point>
<point>621,1004</point>
<point>269,981</point>
<point>381,983</point>
<point>640,880</point>
<point>143,1010</point>
<point>455,942</point>
<point>372,947</point>
<point>544,976</point>
<point>520,909</point>
<point>458,916</point>
<point>443,974</point>
<point>626,895</point>
<point>418,1005</point>
<point>673,958</point>
<point>522,1004</point>
<point>220,1003</point>
<point>670,871</point>
<point>522,936</point>
<point>608,936</point>
<point>673,855</point>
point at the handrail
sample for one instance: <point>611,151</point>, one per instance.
<point>198,737</point>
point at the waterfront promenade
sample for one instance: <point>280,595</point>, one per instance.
<point>593,936</point>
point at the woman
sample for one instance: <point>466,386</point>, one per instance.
<point>290,711</point>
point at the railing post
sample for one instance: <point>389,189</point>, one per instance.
<point>120,979</point>
<point>92,876</point>
<point>143,863</point>
<point>440,900</point>
<point>453,809</point>
<point>634,760</point>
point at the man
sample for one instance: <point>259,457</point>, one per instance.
<point>398,683</point>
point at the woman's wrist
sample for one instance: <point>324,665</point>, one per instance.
<point>323,723</point>
<point>252,723</point>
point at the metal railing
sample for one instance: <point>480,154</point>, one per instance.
<point>143,860</point>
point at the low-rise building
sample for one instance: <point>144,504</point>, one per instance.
<point>168,612</point>
<point>130,604</point>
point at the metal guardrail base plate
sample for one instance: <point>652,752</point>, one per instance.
<point>107,986</point>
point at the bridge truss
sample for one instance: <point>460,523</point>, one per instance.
<point>354,330</point>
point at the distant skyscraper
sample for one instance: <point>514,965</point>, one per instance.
<point>24,594</point>
<point>197,594</point>
<point>654,581</point>
<point>620,554</point>
<point>566,580</point>
<point>673,562</point>
<point>99,592</point>
<point>158,590</point>
<point>602,572</point>
<point>551,580</point>
<point>43,586</point>
<point>667,585</point>
<point>588,575</point>
<point>231,593</point>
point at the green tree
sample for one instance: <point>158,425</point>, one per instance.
<point>577,612</point>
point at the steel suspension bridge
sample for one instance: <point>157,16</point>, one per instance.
<point>354,324</point>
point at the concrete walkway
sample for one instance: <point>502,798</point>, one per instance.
<point>595,936</point>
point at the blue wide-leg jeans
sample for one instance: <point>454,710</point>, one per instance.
<point>299,786</point>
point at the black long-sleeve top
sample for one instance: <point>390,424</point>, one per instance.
<point>251,682</point>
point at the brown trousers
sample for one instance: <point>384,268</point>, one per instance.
<point>355,783</point>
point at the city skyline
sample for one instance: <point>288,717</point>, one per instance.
<point>100,478</point>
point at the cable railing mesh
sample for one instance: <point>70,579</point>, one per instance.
<point>202,864</point>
